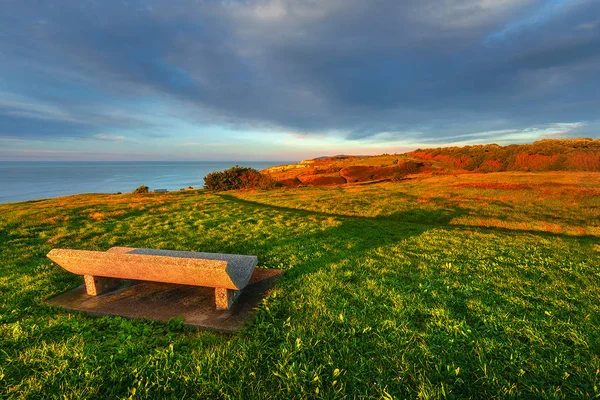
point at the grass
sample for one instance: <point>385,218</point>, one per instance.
<point>468,286</point>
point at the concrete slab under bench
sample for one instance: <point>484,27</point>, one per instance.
<point>163,301</point>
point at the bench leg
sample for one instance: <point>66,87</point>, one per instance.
<point>95,285</point>
<point>224,298</point>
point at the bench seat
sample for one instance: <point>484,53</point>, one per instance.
<point>103,271</point>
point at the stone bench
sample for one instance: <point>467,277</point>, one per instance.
<point>103,271</point>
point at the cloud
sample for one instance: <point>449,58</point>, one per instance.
<point>34,118</point>
<point>194,144</point>
<point>517,135</point>
<point>111,138</point>
<point>587,26</point>
<point>422,70</point>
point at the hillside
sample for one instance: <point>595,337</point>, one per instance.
<point>545,155</point>
<point>458,286</point>
<point>340,170</point>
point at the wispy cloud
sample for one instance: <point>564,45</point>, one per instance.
<point>200,144</point>
<point>588,26</point>
<point>515,135</point>
<point>112,138</point>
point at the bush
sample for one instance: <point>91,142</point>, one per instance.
<point>141,189</point>
<point>534,162</point>
<point>584,161</point>
<point>238,178</point>
<point>543,155</point>
<point>411,167</point>
<point>406,168</point>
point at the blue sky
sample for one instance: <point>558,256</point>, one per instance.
<point>291,79</point>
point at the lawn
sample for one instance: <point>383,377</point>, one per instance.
<point>467,286</point>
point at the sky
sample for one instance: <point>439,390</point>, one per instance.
<point>291,79</point>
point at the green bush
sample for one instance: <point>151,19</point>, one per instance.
<point>238,178</point>
<point>141,189</point>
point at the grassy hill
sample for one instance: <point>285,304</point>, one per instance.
<point>545,155</point>
<point>467,286</point>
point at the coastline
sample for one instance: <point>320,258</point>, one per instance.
<point>34,181</point>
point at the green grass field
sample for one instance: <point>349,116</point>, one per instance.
<point>468,286</point>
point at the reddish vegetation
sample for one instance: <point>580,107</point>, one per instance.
<point>358,173</point>
<point>331,170</point>
<point>364,173</point>
<point>392,172</point>
<point>534,162</point>
<point>346,169</point>
<point>544,155</point>
<point>492,166</point>
<point>321,180</point>
<point>583,161</point>
<point>290,182</point>
<point>461,162</point>
<point>421,154</point>
<point>493,185</point>
<point>588,192</point>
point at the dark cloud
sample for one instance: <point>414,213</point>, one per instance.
<point>26,127</point>
<point>352,67</point>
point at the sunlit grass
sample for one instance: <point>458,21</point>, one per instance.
<point>469,286</point>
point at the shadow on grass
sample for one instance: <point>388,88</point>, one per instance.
<point>411,219</point>
<point>355,236</point>
<point>508,231</point>
<point>351,239</point>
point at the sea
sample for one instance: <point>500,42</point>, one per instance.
<point>32,180</point>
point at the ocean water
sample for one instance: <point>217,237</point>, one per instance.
<point>39,180</point>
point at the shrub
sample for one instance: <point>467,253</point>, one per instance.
<point>141,189</point>
<point>406,168</point>
<point>411,167</point>
<point>584,161</point>
<point>321,180</point>
<point>491,166</point>
<point>238,178</point>
<point>460,161</point>
<point>357,173</point>
<point>543,155</point>
<point>534,162</point>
